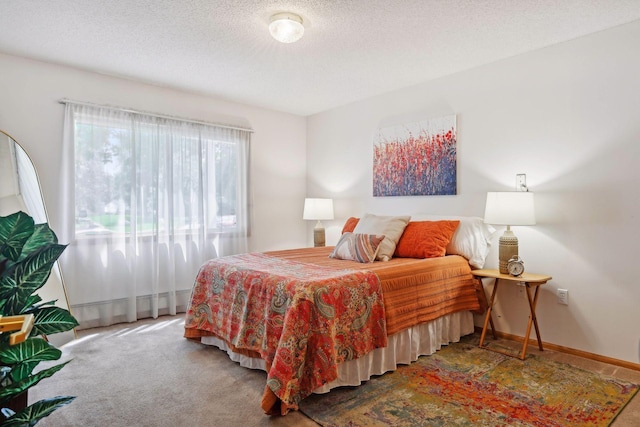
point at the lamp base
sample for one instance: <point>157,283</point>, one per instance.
<point>318,235</point>
<point>508,248</point>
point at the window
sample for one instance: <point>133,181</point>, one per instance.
<point>147,200</point>
<point>136,173</point>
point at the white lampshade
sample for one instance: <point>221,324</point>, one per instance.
<point>510,208</point>
<point>286,27</point>
<point>318,209</point>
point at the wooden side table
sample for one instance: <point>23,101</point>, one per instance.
<point>530,281</point>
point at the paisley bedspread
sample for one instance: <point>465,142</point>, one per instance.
<point>302,319</point>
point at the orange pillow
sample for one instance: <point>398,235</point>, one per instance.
<point>425,239</point>
<point>350,225</point>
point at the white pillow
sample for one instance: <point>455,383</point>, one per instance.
<point>471,239</point>
<point>389,226</point>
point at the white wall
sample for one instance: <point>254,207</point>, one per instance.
<point>30,112</point>
<point>569,117</point>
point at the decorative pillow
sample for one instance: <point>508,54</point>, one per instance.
<point>350,225</point>
<point>357,247</point>
<point>425,239</point>
<point>389,226</point>
<point>471,239</point>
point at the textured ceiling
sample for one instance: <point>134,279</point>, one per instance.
<point>352,49</point>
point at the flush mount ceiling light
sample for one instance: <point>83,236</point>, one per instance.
<point>286,27</point>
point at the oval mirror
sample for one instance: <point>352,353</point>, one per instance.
<point>20,191</point>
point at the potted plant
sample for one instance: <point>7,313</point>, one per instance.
<point>27,254</point>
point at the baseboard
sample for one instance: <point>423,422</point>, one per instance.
<point>568,350</point>
<point>105,313</point>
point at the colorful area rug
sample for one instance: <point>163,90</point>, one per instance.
<point>465,385</point>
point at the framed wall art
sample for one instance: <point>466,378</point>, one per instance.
<point>416,159</point>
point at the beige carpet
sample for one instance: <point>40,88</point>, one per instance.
<point>147,374</point>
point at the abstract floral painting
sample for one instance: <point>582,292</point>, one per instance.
<point>416,159</point>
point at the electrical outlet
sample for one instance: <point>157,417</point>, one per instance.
<point>563,296</point>
<point>521,182</point>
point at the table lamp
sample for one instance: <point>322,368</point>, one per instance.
<point>318,209</point>
<point>509,208</point>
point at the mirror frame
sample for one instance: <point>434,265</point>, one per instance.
<point>55,285</point>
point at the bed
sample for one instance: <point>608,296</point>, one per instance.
<point>314,321</point>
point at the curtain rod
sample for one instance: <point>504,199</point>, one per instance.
<point>148,113</point>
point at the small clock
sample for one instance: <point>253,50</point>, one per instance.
<point>515,266</point>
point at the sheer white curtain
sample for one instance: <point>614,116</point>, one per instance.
<point>147,200</point>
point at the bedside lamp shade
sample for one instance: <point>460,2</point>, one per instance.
<point>509,208</point>
<point>318,209</point>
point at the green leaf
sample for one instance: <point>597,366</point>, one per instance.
<point>36,268</point>
<point>30,275</point>
<point>8,289</point>
<point>51,320</point>
<point>43,304</point>
<point>30,415</point>
<point>15,230</point>
<point>35,349</point>
<point>42,236</point>
<point>15,389</point>
<point>21,371</point>
<point>24,356</point>
<point>30,303</point>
